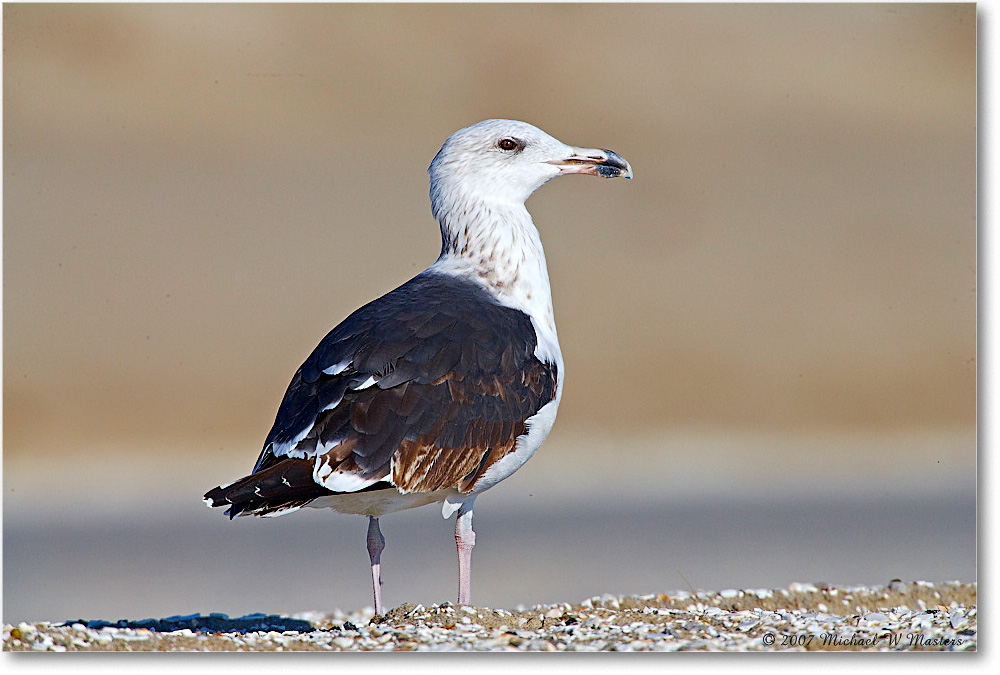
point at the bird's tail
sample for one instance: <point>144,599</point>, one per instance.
<point>283,487</point>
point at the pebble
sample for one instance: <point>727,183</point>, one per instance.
<point>897,617</point>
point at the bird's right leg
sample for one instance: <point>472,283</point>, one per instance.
<point>465,539</point>
<point>376,543</point>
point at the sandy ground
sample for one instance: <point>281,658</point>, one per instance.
<point>916,617</point>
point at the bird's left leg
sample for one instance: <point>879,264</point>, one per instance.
<point>465,539</point>
<point>376,543</point>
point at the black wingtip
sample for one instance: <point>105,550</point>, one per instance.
<point>217,497</point>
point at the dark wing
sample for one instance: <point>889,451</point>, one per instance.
<point>425,388</point>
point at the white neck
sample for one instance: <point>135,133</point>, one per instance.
<point>497,244</point>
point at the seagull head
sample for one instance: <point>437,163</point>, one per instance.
<point>505,161</point>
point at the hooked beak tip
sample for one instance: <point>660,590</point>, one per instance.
<point>595,162</point>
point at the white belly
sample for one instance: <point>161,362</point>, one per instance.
<point>378,503</point>
<point>539,426</point>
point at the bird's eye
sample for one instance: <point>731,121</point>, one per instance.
<point>508,144</point>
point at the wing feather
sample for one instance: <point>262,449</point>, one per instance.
<point>456,379</point>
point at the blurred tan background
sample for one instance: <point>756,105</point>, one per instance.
<point>784,298</point>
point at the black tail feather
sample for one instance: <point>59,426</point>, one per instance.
<point>285,485</point>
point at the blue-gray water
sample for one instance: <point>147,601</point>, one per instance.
<point>141,564</point>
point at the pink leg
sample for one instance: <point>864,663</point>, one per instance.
<point>376,542</point>
<point>465,539</point>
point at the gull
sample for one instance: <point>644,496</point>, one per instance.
<point>440,389</point>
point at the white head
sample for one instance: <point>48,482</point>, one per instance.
<point>504,161</point>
